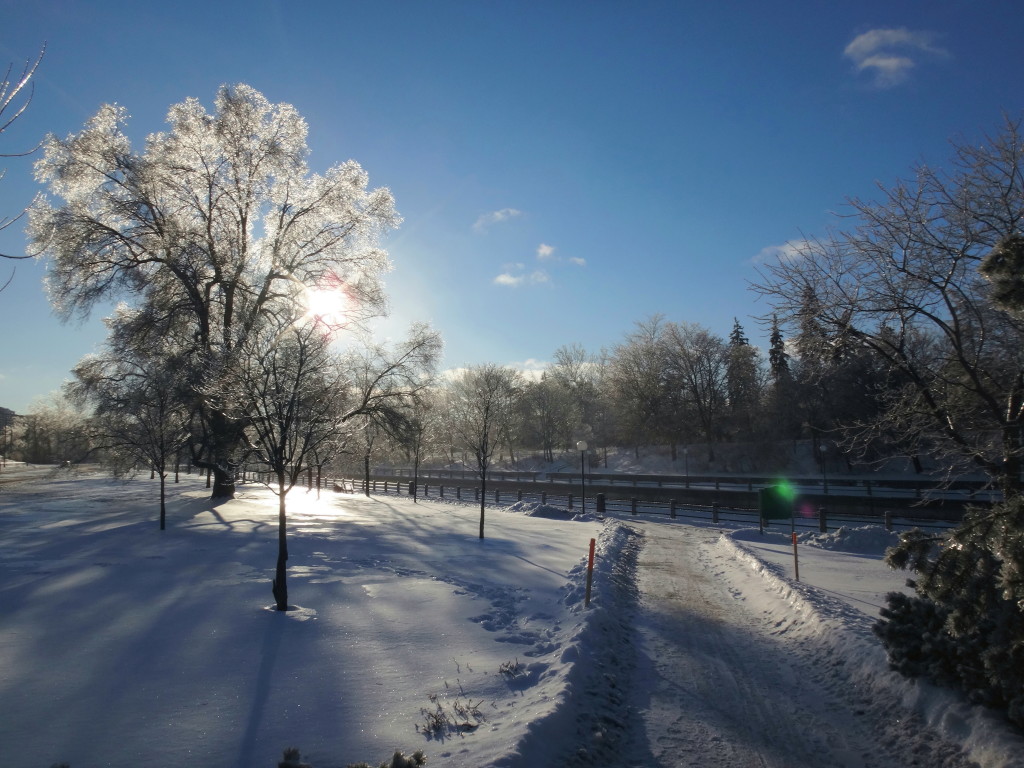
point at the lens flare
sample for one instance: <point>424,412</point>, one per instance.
<point>327,302</point>
<point>786,489</point>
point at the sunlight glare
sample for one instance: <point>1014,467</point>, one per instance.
<point>327,305</point>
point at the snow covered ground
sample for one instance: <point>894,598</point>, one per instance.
<point>123,645</point>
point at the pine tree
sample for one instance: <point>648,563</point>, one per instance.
<point>964,627</point>
<point>737,337</point>
<point>778,358</point>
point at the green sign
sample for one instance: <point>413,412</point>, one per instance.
<point>776,502</point>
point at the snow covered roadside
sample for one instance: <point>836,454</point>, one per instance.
<point>121,645</point>
<point>828,614</point>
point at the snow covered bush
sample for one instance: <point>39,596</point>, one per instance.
<point>964,627</point>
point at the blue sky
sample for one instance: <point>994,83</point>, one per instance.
<point>564,169</point>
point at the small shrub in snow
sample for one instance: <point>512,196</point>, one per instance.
<point>415,760</point>
<point>510,668</point>
<point>439,722</point>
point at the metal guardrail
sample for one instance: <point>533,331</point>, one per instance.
<point>820,519</point>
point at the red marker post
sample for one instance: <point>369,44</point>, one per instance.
<point>590,574</point>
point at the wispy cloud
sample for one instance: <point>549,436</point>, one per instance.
<point>791,250</point>
<point>545,251</point>
<point>889,55</point>
<point>486,220</point>
<point>511,280</point>
<point>505,278</point>
<point>539,276</point>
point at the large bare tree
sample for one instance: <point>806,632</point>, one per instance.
<point>217,223</point>
<point>902,282</point>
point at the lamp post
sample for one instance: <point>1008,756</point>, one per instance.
<point>824,470</point>
<point>581,446</point>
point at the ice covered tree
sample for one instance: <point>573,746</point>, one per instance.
<point>636,383</point>
<point>54,431</point>
<point>140,410</point>
<point>547,415</point>
<point>292,394</point>
<point>301,401</point>
<point>696,367</point>
<point>15,96</point>
<point>388,382</point>
<point>482,404</point>
<point>217,222</point>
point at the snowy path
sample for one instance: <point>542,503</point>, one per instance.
<point>718,684</point>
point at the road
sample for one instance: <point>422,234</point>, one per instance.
<point>716,685</point>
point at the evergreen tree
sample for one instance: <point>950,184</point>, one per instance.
<point>778,358</point>
<point>742,380</point>
<point>737,337</point>
<point>964,627</point>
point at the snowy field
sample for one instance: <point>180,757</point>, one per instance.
<point>123,645</point>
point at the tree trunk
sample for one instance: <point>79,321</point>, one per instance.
<point>483,499</point>
<point>1009,477</point>
<point>163,497</point>
<point>280,583</point>
<point>223,483</point>
<point>366,475</point>
<point>415,476</point>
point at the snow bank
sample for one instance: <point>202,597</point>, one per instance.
<point>816,620</point>
<point>864,539</point>
<point>536,509</point>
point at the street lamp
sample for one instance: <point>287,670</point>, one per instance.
<point>824,470</point>
<point>581,446</point>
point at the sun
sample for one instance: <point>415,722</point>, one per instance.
<point>326,305</point>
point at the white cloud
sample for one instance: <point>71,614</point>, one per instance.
<point>791,250</point>
<point>511,280</point>
<point>577,261</point>
<point>531,369</point>
<point>889,55</point>
<point>545,251</point>
<point>487,220</point>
